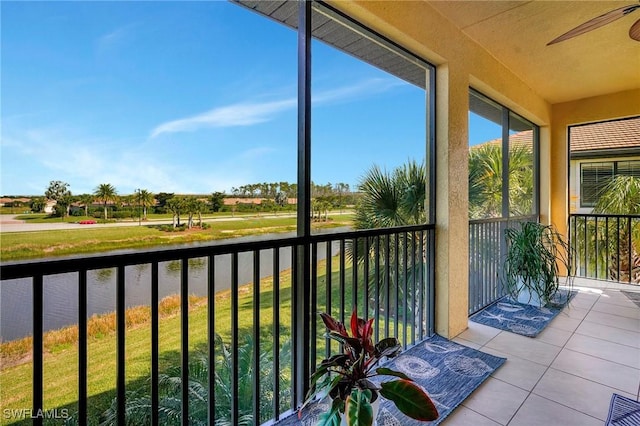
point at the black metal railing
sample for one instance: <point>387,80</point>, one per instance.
<point>243,293</point>
<point>487,247</point>
<point>606,246</point>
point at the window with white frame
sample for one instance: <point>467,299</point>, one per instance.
<point>594,178</point>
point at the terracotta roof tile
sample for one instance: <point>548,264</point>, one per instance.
<point>524,138</point>
<point>619,134</point>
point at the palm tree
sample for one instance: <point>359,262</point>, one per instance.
<point>193,206</point>
<point>485,181</point>
<point>176,205</point>
<point>105,192</point>
<point>138,403</point>
<point>520,180</point>
<point>145,199</point>
<point>391,200</point>
<point>622,196</point>
<point>86,200</point>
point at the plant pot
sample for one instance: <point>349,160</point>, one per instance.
<point>375,406</point>
<point>528,298</point>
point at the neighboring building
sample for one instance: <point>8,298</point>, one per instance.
<point>50,206</point>
<point>9,201</point>
<point>232,201</point>
<point>598,152</point>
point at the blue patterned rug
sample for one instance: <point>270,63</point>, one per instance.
<point>623,412</point>
<point>448,371</point>
<point>527,320</point>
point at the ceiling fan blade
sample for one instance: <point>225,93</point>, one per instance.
<point>596,22</point>
<point>634,31</point>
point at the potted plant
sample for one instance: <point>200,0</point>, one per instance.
<point>535,253</point>
<point>346,378</point>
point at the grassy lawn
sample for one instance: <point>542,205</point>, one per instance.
<point>46,218</point>
<point>60,361</point>
<point>38,244</point>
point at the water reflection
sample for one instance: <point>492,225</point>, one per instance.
<point>61,290</point>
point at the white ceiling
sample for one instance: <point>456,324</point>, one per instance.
<point>516,33</point>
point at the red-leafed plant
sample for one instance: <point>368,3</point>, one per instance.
<point>346,377</point>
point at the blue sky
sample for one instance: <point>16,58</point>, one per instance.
<point>186,97</point>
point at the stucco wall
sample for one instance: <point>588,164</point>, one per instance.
<point>461,64</point>
<point>590,110</point>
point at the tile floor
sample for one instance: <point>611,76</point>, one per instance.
<point>567,374</point>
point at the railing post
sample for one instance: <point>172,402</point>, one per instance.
<point>82,347</point>
<point>38,313</point>
<point>629,249</point>
<point>184,338</point>
<point>301,294</point>
<point>120,345</point>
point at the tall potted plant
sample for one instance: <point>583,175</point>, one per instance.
<point>346,378</point>
<point>532,266</point>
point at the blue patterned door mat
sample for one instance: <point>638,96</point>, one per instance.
<point>520,318</point>
<point>448,371</point>
<point>623,411</point>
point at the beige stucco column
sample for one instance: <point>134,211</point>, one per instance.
<point>452,200</point>
<point>590,110</point>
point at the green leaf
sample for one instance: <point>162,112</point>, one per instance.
<point>358,410</point>
<point>321,389</point>
<point>389,372</point>
<point>332,417</point>
<point>410,399</point>
<point>388,347</point>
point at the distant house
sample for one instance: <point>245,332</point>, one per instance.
<point>598,152</point>
<point>50,206</point>
<point>232,201</point>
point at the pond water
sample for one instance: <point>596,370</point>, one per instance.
<point>61,291</point>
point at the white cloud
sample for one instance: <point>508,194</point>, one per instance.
<point>40,155</point>
<point>368,87</point>
<point>242,114</point>
<point>250,113</point>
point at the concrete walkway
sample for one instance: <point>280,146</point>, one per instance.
<point>9,223</point>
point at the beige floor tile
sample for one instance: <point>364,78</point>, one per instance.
<point>463,416</point>
<point>623,301</point>
<point>599,370</point>
<point>610,351</point>
<point>538,411</point>
<point>467,343</point>
<point>525,347</point>
<point>479,333</point>
<point>517,371</point>
<point>496,400</point>
<point>574,312</point>
<point>584,300</point>
<point>613,320</point>
<point>623,311</point>
<point>554,336</point>
<point>563,322</point>
<point>580,394</point>
<point>615,298</point>
<point>611,334</point>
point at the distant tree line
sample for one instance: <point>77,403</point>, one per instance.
<point>106,203</point>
